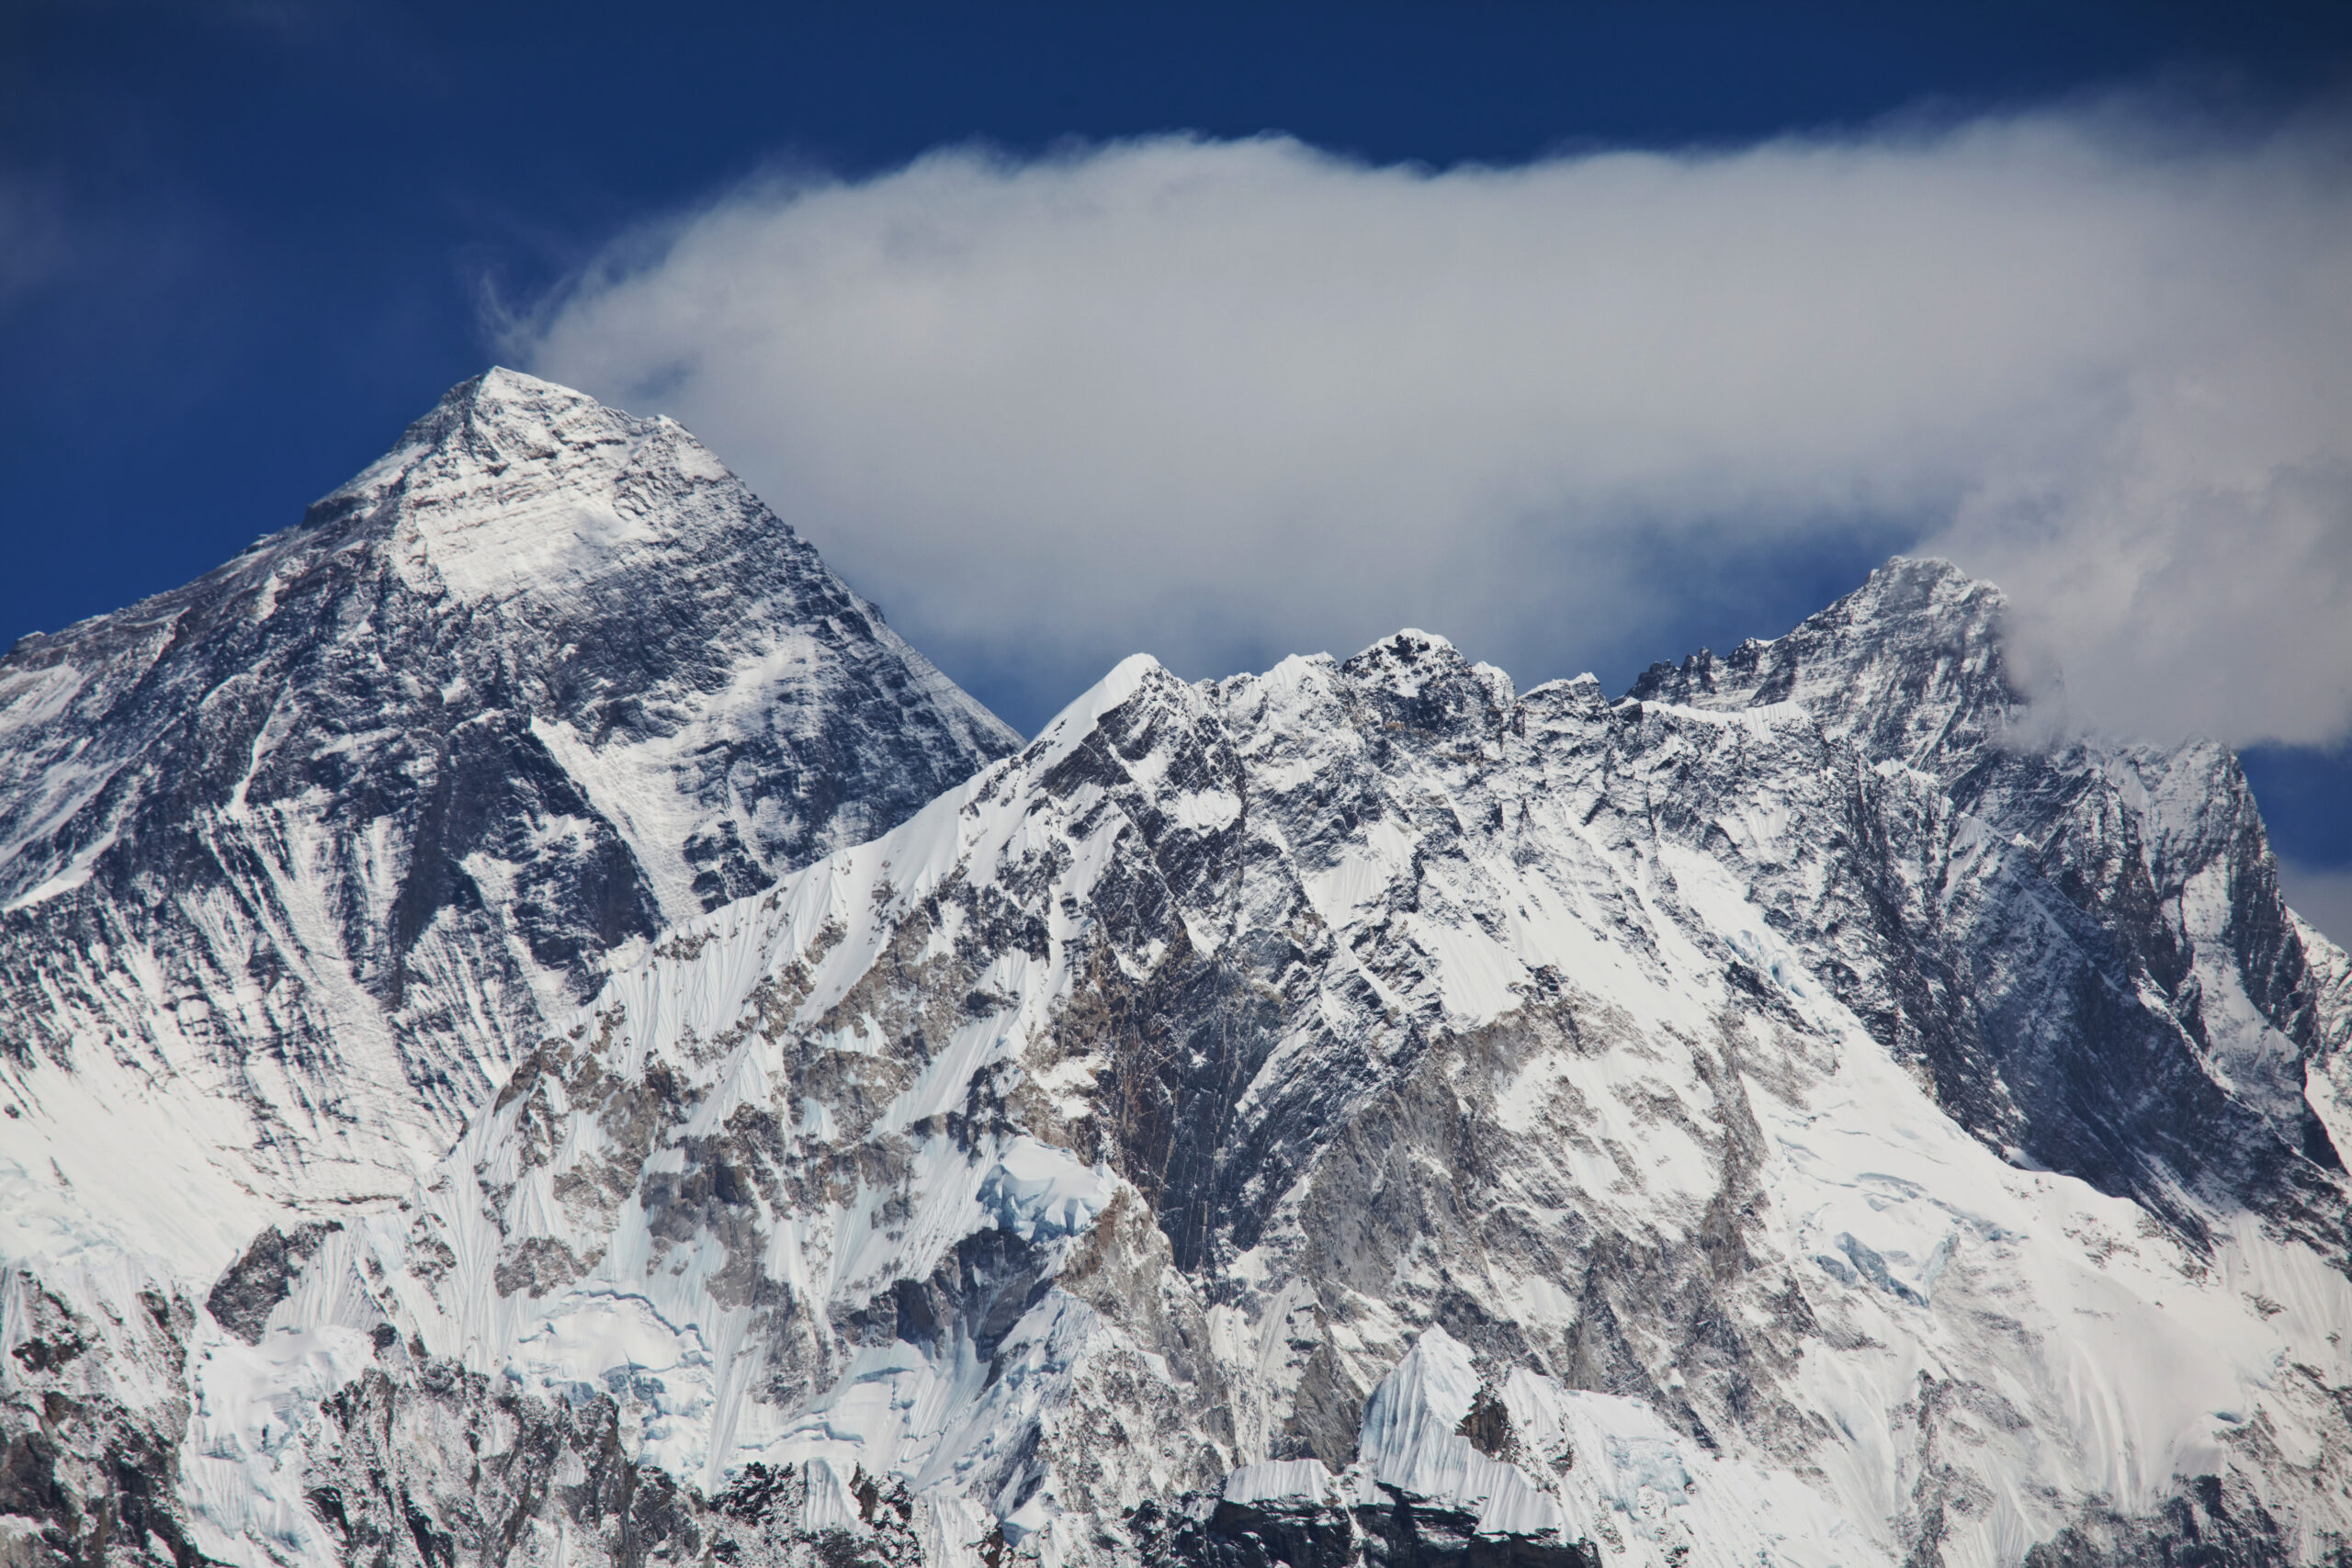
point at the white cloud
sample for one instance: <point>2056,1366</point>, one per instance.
<point>1222,400</point>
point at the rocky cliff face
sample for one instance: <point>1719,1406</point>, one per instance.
<point>1362,1113</point>
<point>293,858</point>
<point>2083,1040</point>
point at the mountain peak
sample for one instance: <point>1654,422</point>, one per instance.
<point>500,395</point>
<point>514,487</point>
<point>544,679</point>
<point>1135,674</point>
<point>1908,586</point>
<point>501,384</point>
<point>1910,662</point>
<point>498,416</point>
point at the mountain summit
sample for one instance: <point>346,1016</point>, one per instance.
<point>294,858</point>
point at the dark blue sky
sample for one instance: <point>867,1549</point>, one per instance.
<point>246,242</point>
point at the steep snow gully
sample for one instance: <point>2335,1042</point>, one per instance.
<point>1357,1113</point>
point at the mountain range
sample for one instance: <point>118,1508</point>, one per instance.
<point>535,1029</point>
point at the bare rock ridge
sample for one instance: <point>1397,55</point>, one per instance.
<point>1359,1114</point>
<point>293,857</point>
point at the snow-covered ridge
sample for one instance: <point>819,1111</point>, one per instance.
<point>1250,1092</point>
<point>1909,666</point>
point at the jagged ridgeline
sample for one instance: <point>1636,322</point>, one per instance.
<point>1359,1113</point>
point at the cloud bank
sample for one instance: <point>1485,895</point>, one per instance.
<point>1222,400</point>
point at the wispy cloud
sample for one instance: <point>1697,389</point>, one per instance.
<point>1219,400</point>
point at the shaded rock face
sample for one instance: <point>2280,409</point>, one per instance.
<point>2088,1051</point>
<point>299,852</point>
<point>243,1299</point>
<point>2205,1521</point>
<point>439,1467</point>
<point>94,1408</point>
<point>1395,1533</point>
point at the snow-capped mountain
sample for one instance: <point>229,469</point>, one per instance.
<point>294,857</point>
<point>1355,1114</point>
<point>1361,1112</point>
